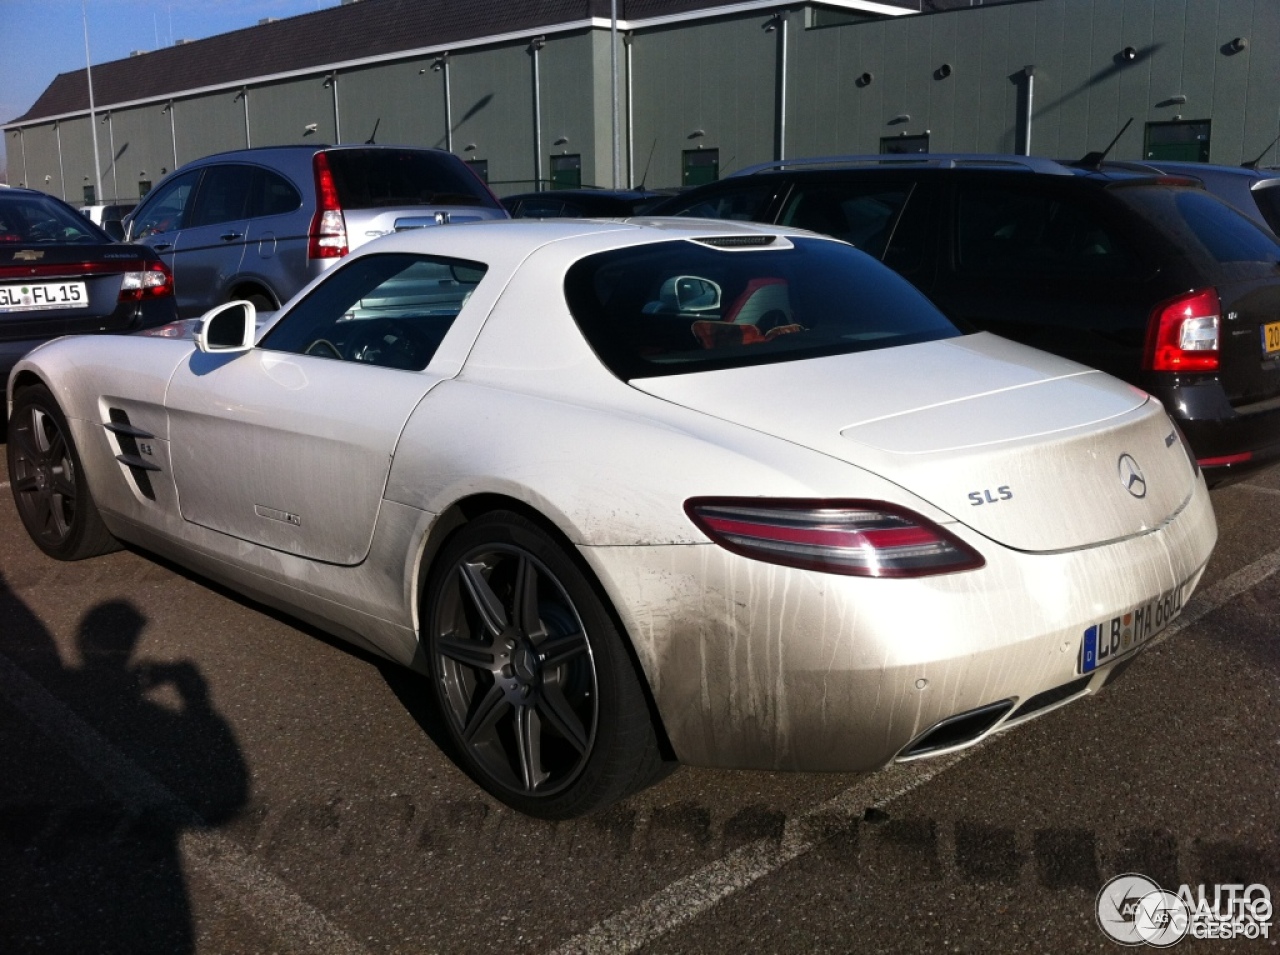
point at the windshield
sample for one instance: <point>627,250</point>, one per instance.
<point>687,306</point>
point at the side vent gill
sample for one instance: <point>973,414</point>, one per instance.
<point>127,436</point>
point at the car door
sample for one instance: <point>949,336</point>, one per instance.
<point>159,221</point>
<point>289,445</point>
<point>213,238</point>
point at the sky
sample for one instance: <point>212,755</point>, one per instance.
<point>42,38</point>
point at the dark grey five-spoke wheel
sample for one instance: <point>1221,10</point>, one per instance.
<point>48,484</point>
<point>531,674</point>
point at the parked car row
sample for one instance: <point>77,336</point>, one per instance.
<point>1139,273</point>
<point>792,492</point>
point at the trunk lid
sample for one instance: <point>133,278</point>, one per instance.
<point>79,289</point>
<point>1030,450</point>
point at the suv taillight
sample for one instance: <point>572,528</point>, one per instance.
<point>1183,334</point>
<point>154,281</point>
<point>328,239</point>
<point>856,538</point>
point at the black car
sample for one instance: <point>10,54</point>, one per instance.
<point>581,203</point>
<point>62,275</point>
<point>1145,276</point>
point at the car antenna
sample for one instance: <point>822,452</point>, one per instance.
<point>646,163</point>
<point>1094,160</point>
<point>1256,162</point>
<point>369,141</point>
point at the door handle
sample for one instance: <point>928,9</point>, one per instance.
<point>228,236</point>
<point>163,247</point>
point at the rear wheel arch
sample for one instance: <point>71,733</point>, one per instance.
<point>467,510</point>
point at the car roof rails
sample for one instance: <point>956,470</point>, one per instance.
<point>1036,164</point>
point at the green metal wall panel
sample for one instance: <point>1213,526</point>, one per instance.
<point>295,111</point>
<point>403,100</point>
<point>143,147</point>
<point>212,123</point>
<point>493,112</point>
<point>718,78</point>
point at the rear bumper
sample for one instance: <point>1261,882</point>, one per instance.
<point>1229,443</point>
<point>755,666</point>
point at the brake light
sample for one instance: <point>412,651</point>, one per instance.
<point>854,538</point>
<point>1183,334</point>
<point>328,239</point>
<point>154,281</point>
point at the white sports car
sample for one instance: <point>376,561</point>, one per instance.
<point>631,493</point>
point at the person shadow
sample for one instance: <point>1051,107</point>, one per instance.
<point>108,763</point>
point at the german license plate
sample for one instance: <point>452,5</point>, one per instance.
<point>1117,636</point>
<point>41,295</point>
<point>1271,338</point>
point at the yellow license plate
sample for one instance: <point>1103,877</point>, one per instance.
<point>1271,338</point>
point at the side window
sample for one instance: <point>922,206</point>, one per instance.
<point>165,209</point>
<point>223,195</point>
<point>388,310</point>
<point>1019,234</point>
<point>748,204</point>
<point>862,214</point>
<point>272,195</point>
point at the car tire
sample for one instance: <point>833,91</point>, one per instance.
<point>48,481</point>
<point>531,673</point>
<point>260,300</point>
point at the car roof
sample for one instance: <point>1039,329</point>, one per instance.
<point>941,163</point>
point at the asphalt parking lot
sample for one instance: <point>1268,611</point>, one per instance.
<point>187,772</point>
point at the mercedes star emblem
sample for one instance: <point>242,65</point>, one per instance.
<point>1131,476</point>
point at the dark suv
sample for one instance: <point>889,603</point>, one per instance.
<point>1147,277</point>
<point>259,224</point>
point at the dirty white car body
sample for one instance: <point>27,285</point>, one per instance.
<point>357,496</point>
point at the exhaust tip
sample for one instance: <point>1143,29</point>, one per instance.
<point>956,731</point>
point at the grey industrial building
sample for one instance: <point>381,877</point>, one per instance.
<point>671,92</point>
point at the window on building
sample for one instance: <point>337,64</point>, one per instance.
<point>1178,141</point>
<point>480,167</point>
<point>90,194</point>
<point>904,145</point>
<point>144,186</point>
<point>699,166</point>
<point>566,172</point>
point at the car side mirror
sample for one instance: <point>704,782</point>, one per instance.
<point>228,328</point>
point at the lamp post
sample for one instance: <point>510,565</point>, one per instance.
<point>93,119</point>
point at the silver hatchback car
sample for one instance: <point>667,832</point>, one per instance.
<point>259,224</point>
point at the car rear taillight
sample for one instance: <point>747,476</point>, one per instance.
<point>856,538</point>
<point>328,239</point>
<point>154,281</point>
<point>1183,334</point>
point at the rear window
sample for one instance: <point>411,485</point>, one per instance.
<point>685,306</point>
<point>1203,226</point>
<point>36,220</point>
<point>389,178</point>
<point>1268,199</point>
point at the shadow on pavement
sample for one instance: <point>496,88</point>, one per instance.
<point>109,761</point>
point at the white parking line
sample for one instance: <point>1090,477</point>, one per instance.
<point>299,926</point>
<point>687,898</point>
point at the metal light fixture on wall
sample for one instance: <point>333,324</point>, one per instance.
<point>1128,54</point>
<point>943,71</point>
<point>1238,44</point>
<point>865,79</point>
